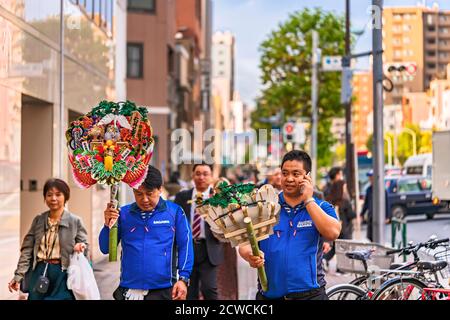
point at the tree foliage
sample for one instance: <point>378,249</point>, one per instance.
<point>286,63</point>
<point>405,143</point>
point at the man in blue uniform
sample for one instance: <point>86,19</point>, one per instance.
<point>153,232</point>
<point>293,253</point>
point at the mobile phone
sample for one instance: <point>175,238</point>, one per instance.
<point>303,187</point>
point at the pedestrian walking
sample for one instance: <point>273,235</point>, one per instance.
<point>173,186</point>
<point>153,232</point>
<point>208,251</point>
<point>274,179</point>
<point>368,207</point>
<point>45,252</point>
<point>293,253</point>
<point>339,197</point>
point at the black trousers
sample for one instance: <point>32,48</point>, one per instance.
<point>314,294</point>
<point>204,275</point>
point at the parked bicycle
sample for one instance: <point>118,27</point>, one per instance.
<point>419,274</point>
<point>411,287</point>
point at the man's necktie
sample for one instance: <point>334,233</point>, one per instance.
<point>196,224</point>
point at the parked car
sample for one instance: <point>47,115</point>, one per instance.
<point>420,164</point>
<point>410,195</point>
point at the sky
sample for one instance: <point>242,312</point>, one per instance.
<point>252,20</point>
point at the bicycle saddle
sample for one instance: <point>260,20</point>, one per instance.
<point>431,265</point>
<point>361,255</point>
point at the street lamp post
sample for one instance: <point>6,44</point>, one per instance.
<point>389,143</point>
<point>314,98</point>
<point>379,200</point>
<point>414,139</point>
<point>349,147</point>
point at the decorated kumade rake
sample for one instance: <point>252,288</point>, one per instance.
<point>240,214</point>
<point>112,143</point>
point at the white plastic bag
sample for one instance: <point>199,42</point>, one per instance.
<point>80,278</point>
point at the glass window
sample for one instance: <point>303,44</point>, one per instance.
<point>410,185</point>
<point>97,12</point>
<point>142,5</point>
<point>135,60</point>
<point>170,60</point>
<point>109,15</point>
<point>89,8</point>
<point>103,15</point>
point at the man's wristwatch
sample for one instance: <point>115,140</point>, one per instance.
<point>185,280</point>
<point>309,201</point>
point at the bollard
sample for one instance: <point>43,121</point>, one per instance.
<point>398,225</point>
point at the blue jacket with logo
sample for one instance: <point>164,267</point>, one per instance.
<point>148,253</point>
<point>293,253</point>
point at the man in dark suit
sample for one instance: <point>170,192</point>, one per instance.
<point>208,251</point>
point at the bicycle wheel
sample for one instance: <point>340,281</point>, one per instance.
<point>361,282</point>
<point>345,292</point>
<point>400,289</point>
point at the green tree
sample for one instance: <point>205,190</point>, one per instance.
<point>387,135</point>
<point>340,153</point>
<point>426,142</point>
<point>286,73</point>
<point>405,143</point>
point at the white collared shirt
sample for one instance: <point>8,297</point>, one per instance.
<point>193,206</point>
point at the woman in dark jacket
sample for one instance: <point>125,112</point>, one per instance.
<point>53,236</point>
<point>340,198</point>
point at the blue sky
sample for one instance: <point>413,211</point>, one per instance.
<point>252,20</point>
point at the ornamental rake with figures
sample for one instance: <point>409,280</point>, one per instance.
<point>111,143</point>
<point>241,214</point>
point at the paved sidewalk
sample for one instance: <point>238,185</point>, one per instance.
<point>334,278</point>
<point>107,275</point>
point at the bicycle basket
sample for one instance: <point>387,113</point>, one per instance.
<point>378,259</point>
<point>441,253</point>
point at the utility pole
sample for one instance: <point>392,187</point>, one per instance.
<point>62,118</point>
<point>314,97</point>
<point>379,204</point>
<point>349,152</point>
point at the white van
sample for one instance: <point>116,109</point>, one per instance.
<point>420,164</point>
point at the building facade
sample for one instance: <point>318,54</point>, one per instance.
<point>56,63</point>
<point>223,56</point>
<point>361,106</point>
<point>193,42</point>
<point>417,38</point>
<point>151,28</point>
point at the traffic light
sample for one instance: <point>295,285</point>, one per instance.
<point>288,131</point>
<point>401,71</point>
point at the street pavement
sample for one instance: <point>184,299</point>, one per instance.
<point>107,275</point>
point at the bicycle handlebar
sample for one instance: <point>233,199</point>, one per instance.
<point>414,248</point>
<point>436,242</point>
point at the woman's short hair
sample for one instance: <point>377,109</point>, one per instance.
<point>59,185</point>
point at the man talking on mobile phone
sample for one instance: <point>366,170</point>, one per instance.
<point>293,253</point>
